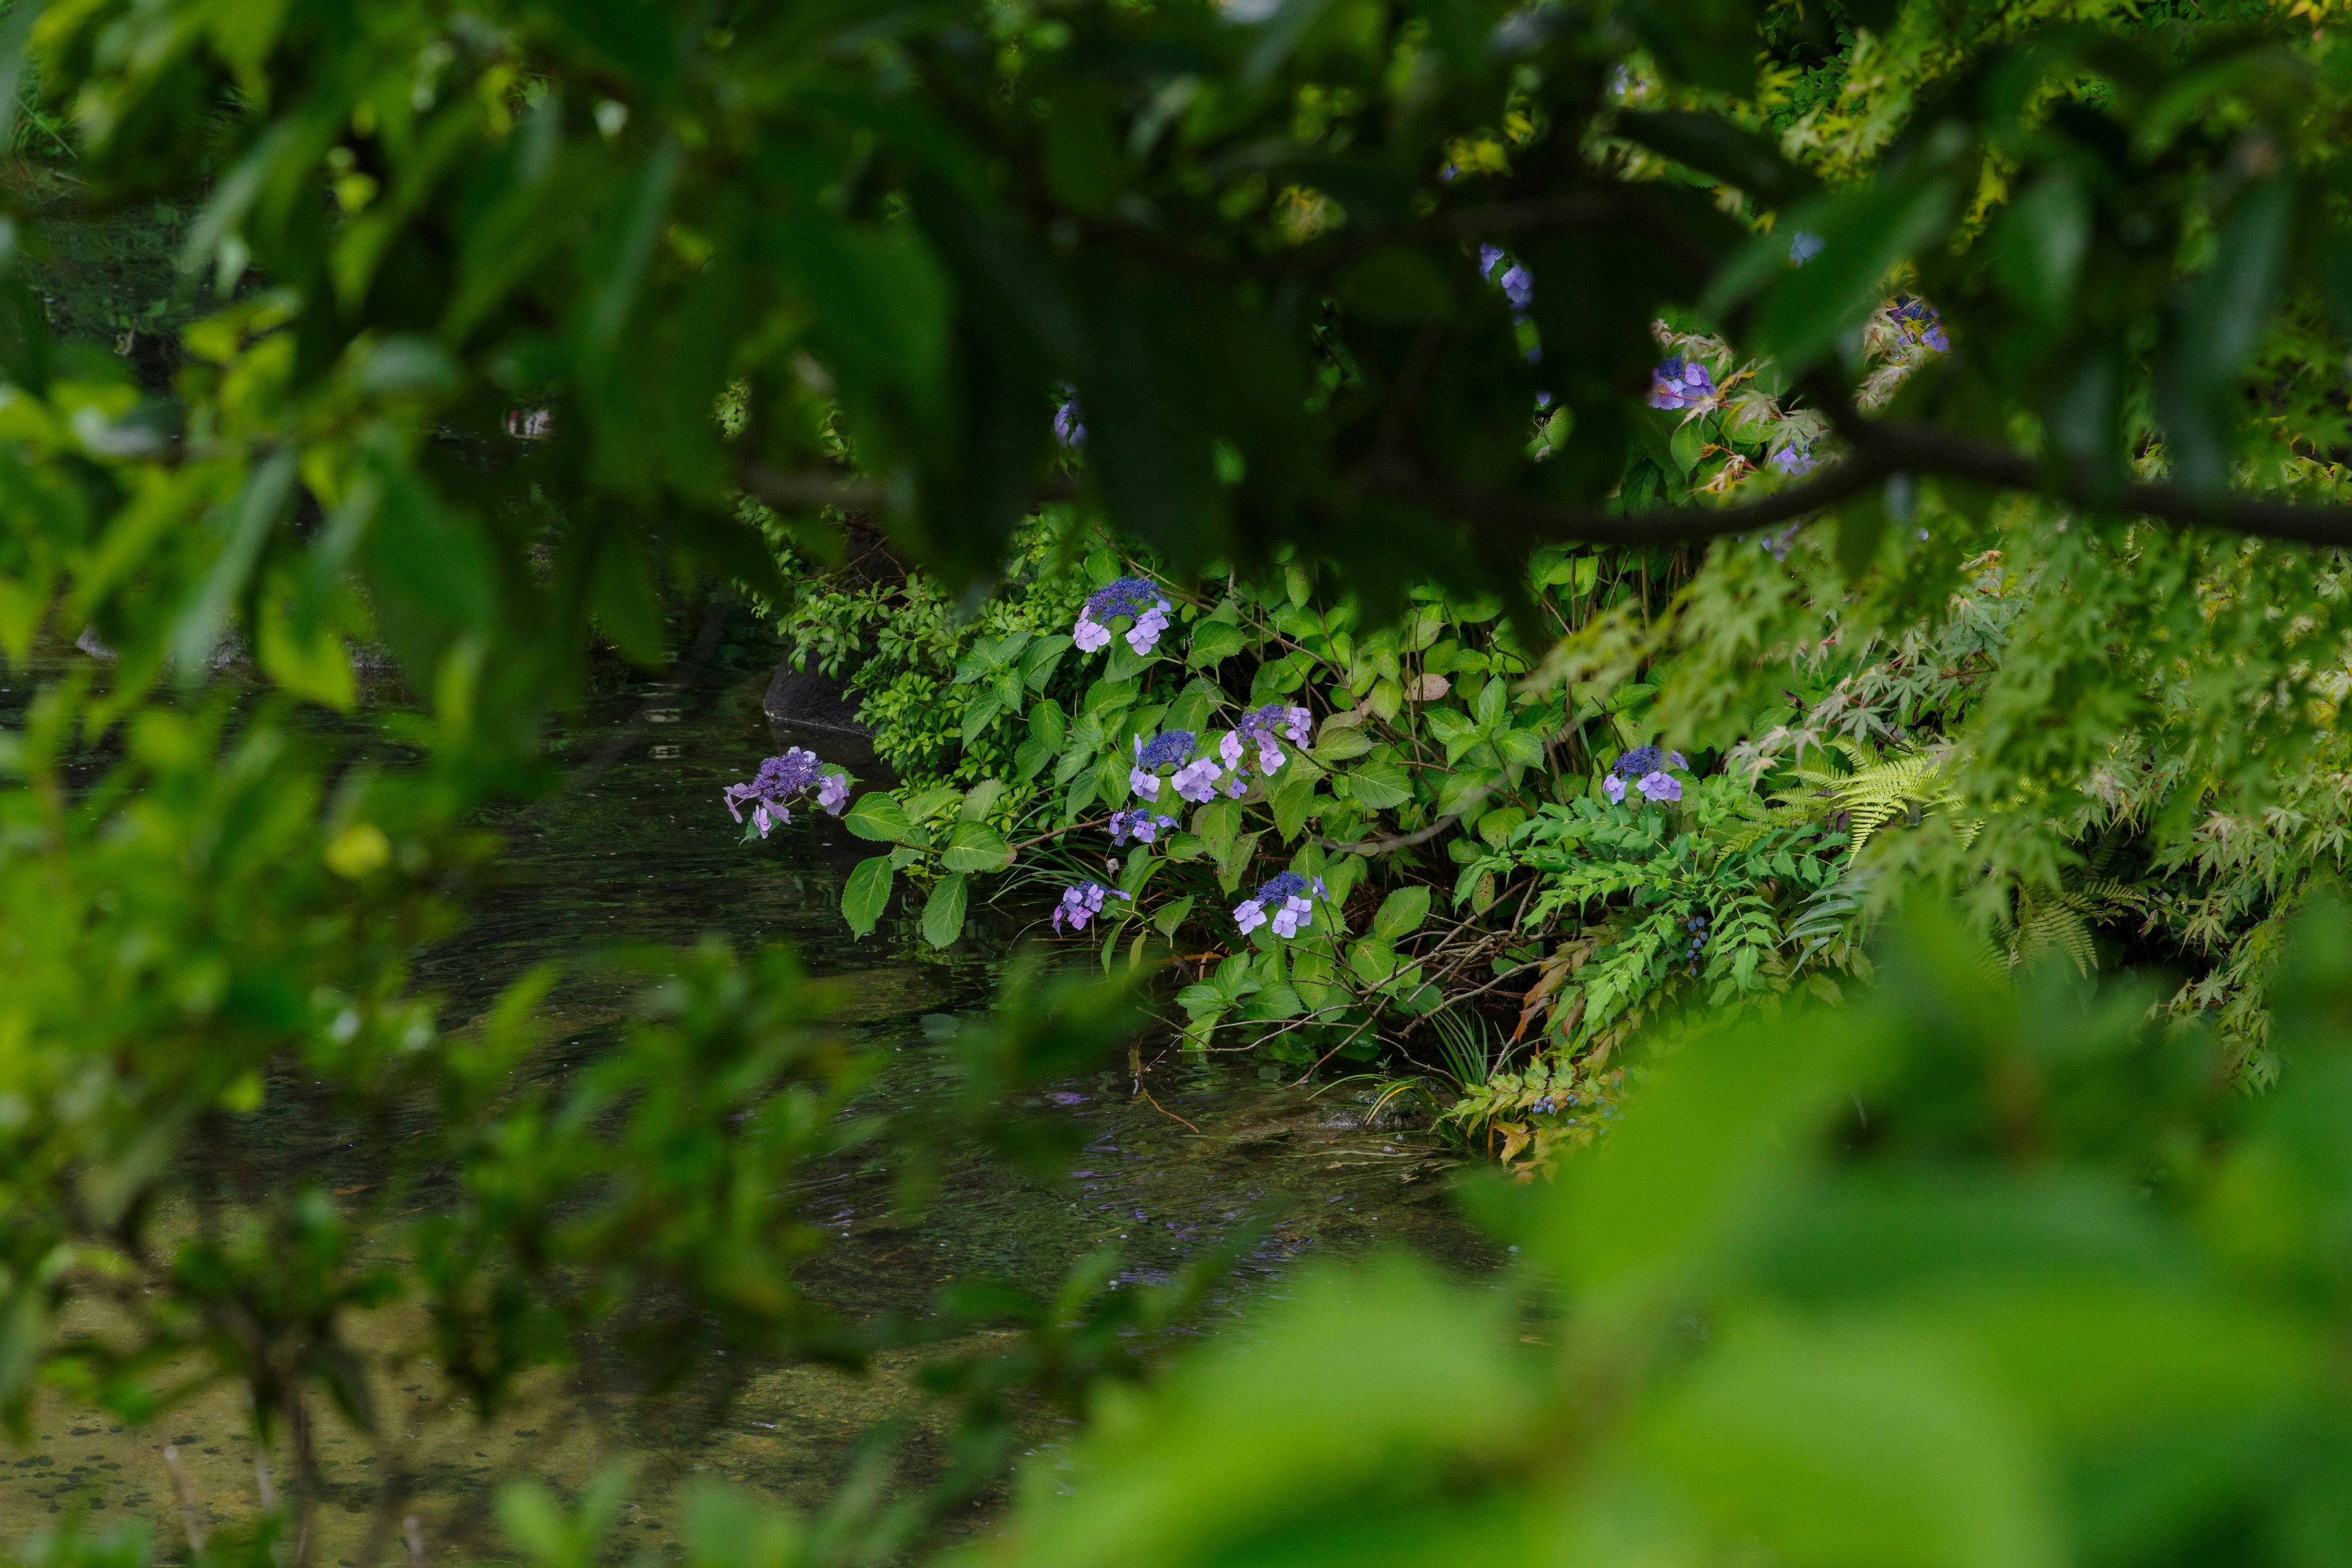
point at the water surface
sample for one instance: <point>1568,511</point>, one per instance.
<point>637,848</point>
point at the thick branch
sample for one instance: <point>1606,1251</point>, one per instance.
<point>1542,520</point>
<point>1883,449</point>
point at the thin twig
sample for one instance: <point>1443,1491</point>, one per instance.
<point>1160,1108</point>
<point>197,1534</point>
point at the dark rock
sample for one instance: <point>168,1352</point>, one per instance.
<point>812,697</point>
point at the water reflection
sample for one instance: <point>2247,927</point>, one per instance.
<point>636,849</point>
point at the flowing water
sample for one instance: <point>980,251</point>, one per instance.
<point>637,848</point>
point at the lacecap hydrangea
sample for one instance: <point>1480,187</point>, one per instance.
<point>782,780</point>
<point>1081,902</point>
<point>1137,599</point>
<point>1645,767</point>
<point>1284,902</point>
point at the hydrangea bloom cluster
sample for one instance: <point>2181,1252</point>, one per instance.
<point>1681,383</point>
<point>779,781</point>
<point>1518,286</point>
<point>1196,781</point>
<point>1137,598</point>
<point>1917,319</point>
<point>1259,728</point>
<point>1795,460</point>
<point>1165,750</point>
<point>1081,902</point>
<point>1070,425</point>
<point>1803,246</point>
<point>1140,824</point>
<point>1289,896</point>
<point>1645,767</point>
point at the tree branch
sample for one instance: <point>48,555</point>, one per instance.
<point>1881,450</point>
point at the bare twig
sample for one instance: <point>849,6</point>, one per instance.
<point>413,1534</point>
<point>1400,841</point>
<point>189,1518</point>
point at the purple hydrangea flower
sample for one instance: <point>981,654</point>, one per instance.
<point>1260,726</point>
<point>1069,424</point>
<point>1139,598</point>
<point>1637,761</point>
<point>1081,902</point>
<point>1805,245</point>
<point>1196,781</point>
<point>1918,319</point>
<point>1166,749</point>
<point>1795,460</point>
<point>1141,826</point>
<point>779,781</point>
<point>1681,383</point>
<point>1290,895</point>
<point>1645,767</point>
<point>1518,288</point>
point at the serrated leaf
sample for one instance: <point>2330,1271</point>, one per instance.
<point>979,713</point>
<point>1402,912</point>
<point>943,911</point>
<point>1213,642</point>
<point>1342,745</point>
<point>1172,915</point>
<point>1373,959</point>
<point>1379,786</point>
<point>867,894</point>
<point>1216,823</point>
<point>878,817</point>
<point>1293,793</point>
<point>975,847</point>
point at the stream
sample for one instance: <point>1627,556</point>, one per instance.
<point>638,848</point>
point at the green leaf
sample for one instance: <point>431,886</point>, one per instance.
<point>867,894</point>
<point>1293,794</point>
<point>1149,436</point>
<point>1373,959</point>
<point>1402,912</point>
<point>1714,145</point>
<point>1395,284</point>
<point>1215,642</point>
<point>975,847</point>
<point>1172,915</point>
<point>979,713</point>
<point>1379,786</point>
<point>878,817</point>
<point>1237,861</point>
<point>1216,823</point>
<point>1706,43</point>
<point>1864,236</point>
<point>2215,323</point>
<point>2039,250</point>
<point>1342,744</point>
<point>1048,725</point>
<point>943,911</point>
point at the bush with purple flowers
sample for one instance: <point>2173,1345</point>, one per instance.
<point>782,780</point>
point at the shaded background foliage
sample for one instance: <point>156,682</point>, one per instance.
<point>496,316</point>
